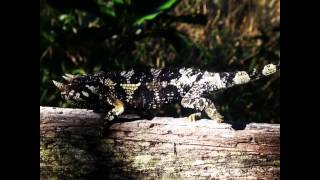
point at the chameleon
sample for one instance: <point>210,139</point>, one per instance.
<point>151,89</point>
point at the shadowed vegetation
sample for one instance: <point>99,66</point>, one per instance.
<point>86,36</point>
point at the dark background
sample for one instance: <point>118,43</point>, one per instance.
<point>86,36</point>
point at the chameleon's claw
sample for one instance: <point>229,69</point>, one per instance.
<point>214,115</point>
<point>193,117</point>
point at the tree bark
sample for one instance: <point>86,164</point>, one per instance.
<point>75,145</point>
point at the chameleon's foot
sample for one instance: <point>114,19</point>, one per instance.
<point>214,115</point>
<point>193,117</point>
<point>109,116</point>
<point>116,111</point>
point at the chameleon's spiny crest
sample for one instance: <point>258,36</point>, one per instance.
<point>241,77</point>
<point>269,69</point>
<point>153,88</point>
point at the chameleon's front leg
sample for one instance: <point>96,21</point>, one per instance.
<point>116,111</point>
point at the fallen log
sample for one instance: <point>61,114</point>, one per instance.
<point>75,145</point>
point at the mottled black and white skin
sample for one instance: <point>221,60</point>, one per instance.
<point>153,88</point>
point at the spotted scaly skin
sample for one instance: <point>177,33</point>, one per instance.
<point>153,88</point>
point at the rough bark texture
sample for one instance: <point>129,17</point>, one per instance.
<point>74,145</point>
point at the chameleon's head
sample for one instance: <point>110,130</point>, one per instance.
<point>82,91</point>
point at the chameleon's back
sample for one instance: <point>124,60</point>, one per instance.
<point>152,88</point>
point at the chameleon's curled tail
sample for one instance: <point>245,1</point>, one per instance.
<point>243,77</point>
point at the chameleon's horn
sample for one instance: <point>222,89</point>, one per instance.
<point>59,85</point>
<point>68,77</point>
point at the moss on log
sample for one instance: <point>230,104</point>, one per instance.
<point>74,145</point>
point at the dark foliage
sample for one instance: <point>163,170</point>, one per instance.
<point>86,36</point>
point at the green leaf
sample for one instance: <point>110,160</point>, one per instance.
<point>79,71</point>
<point>167,5</point>
<point>48,36</point>
<point>107,7</point>
<point>152,15</point>
<point>63,16</point>
<point>66,18</point>
<point>147,17</point>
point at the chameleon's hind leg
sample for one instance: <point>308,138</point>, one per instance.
<point>201,104</point>
<point>213,113</point>
<point>116,111</point>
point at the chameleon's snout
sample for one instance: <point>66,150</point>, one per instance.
<point>59,85</point>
